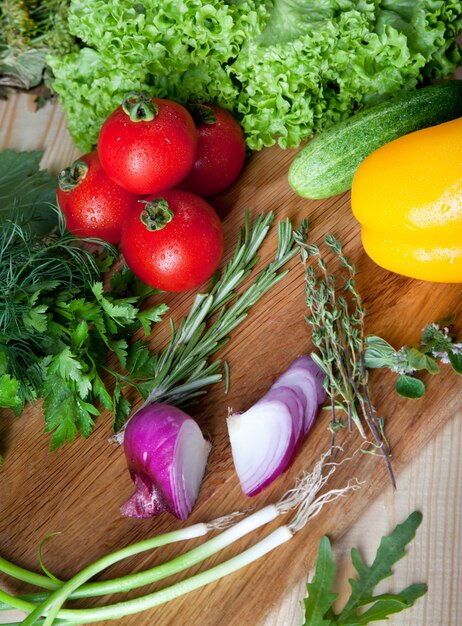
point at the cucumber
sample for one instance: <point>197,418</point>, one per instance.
<point>326,166</point>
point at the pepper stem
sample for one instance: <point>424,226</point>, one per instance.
<point>139,106</point>
<point>156,214</point>
<point>72,176</point>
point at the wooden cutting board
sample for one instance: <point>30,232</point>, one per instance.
<point>78,490</point>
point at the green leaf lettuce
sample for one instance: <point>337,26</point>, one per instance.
<point>285,69</point>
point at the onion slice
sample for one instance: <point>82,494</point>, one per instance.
<point>166,455</point>
<point>265,438</point>
<point>294,400</point>
<point>307,363</point>
<point>302,381</point>
<point>262,443</point>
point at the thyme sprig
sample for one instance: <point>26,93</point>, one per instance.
<point>337,323</point>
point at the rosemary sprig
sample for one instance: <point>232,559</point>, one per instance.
<point>337,322</point>
<point>182,369</point>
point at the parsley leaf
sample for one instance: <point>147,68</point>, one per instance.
<point>65,412</point>
<point>150,316</point>
<point>121,408</point>
<point>318,605</point>
<point>9,394</point>
<point>101,392</point>
<point>119,311</point>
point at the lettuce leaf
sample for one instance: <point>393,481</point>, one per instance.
<point>284,68</point>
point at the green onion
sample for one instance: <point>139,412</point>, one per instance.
<point>302,498</point>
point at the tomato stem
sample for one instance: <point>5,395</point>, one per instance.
<point>202,113</point>
<point>139,106</point>
<point>72,176</point>
<point>157,214</point>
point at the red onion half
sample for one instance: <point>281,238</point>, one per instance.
<point>166,455</point>
<point>266,438</point>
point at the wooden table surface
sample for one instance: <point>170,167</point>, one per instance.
<point>430,482</point>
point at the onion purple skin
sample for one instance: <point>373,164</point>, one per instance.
<point>166,455</point>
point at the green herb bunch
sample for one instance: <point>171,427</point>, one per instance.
<point>437,345</point>
<point>57,325</point>
<point>319,604</point>
<point>337,323</point>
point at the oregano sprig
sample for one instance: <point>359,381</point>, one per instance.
<point>437,345</point>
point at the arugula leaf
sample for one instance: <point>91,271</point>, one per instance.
<point>320,599</point>
<point>27,191</point>
<point>391,550</point>
<point>387,604</point>
<point>318,605</point>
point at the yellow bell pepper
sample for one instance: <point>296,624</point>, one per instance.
<point>407,196</point>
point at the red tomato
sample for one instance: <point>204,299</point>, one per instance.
<point>220,151</point>
<point>174,242</point>
<point>147,144</point>
<point>93,204</point>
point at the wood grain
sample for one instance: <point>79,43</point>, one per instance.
<point>79,489</point>
<point>431,484</point>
